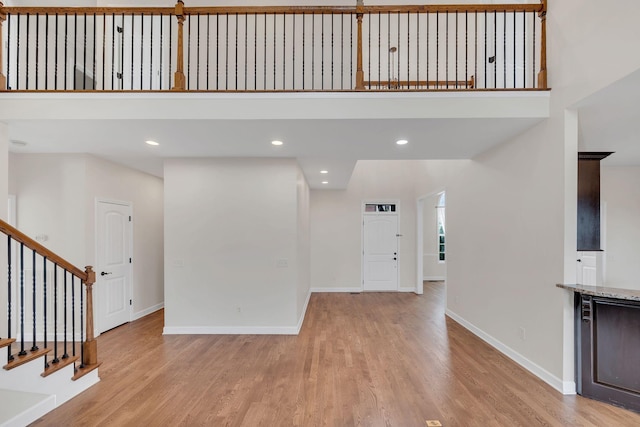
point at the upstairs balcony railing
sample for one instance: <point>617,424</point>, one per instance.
<point>288,48</point>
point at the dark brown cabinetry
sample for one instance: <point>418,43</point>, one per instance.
<point>589,200</point>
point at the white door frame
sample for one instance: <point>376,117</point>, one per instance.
<point>362,214</point>
<point>97,314</point>
<point>419,240</point>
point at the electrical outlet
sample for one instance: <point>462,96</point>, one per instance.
<point>522,333</point>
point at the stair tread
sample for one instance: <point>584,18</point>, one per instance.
<point>21,360</point>
<point>55,367</point>
<point>6,341</point>
<point>81,372</point>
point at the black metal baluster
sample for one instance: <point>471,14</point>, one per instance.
<point>457,49</point>
<point>446,51</point>
<point>198,52</point>
<point>9,19</point>
<point>217,51</point>
<point>466,49</point>
<point>75,49</point>
<point>379,49</point>
<point>141,50</point>
<point>408,50</point>
<point>504,48</point>
<point>94,52</point>
<point>341,50</point>
<point>398,45</point>
<point>151,52</point>
<point>304,36</point>
<point>284,51</point>
<point>34,347</point>
<point>389,48</point>
<point>133,31</point>
<point>18,55</point>
<point>313,50</point>
<point>475,51</point>
<point>44,306</point>
<point>66,315</point>
<point>293,55</point>
<point>274,51</point>
<point>255,51</point>
<point>208,45</point>
<point>84,55</point>
<point>351,50</point>
<point>514,48</point>
<point>170,48</point>
<point>121,73</point>
<point>369,48</point>
<point>226,52</point>
<point>322,53</point>
<point>332,33</point>
<point>160,48</point>
<point>264,57</point>
<point>524,49</point>
<point>417,50</point>
<point>428,57</point>
<point>55,69</point>
<point>437,49</point>
<point>113,50</point>
<point>55,314</point>
<point>9,295</point>
<point>246,55</point>
<point>37,48</point>
<point>22,350</point>
<point>73,315</point>
<point>495,49</point>
<point>26,82</point>
<point>236,64</point>
<point>46,52</point>
<point>486,58</point>
<point>66,48</point>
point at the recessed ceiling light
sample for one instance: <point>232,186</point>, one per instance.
<point>150,142</point>
<point>325,182</point>
<point>276,142</point>
<point>402,142</point>
<point>324,171</point>
<point>18,143</point>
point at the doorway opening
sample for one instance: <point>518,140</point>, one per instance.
<point>432,239</point>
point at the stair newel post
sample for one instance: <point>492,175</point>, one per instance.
<point>90,356</point>
<point>359,70</point>
<point>542,75</point>
<point>179,78</point>
<point>3,78</point>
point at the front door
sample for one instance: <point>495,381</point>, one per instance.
<point>380,252</point>
<point>113,273</point>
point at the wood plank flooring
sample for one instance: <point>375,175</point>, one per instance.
<point>375,359</point>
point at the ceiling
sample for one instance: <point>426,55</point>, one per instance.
<point>609,120</point>
<point>323,143</point>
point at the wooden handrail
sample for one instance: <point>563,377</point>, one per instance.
<point>20,237</point>
<point>542,75</point>
<point>43,10</point>
<point>88,278</point>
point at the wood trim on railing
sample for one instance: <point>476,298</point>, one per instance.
<point>90,356</point>
<point>359,68</point>
<point>41,10</point>
<point>20,237</point>
<point>542,74</point>
<point>179,79</point>
<point>3,17</point>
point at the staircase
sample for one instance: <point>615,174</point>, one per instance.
<point>48,306</point>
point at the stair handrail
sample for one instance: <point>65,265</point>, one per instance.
<point>88,278</point>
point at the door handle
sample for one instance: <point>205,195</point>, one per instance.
<point>579,260</point>
<point>104,274</point>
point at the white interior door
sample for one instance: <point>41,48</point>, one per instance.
<point>380,252</point>
<point>587,272</point>
<point>113,274</point>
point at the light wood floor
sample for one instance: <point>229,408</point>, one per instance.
<point>376,359</point>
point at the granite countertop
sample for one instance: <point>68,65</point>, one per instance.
<point>603,291</point>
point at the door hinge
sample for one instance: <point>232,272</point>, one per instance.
<point>129,260</point>
<point>129,218</point>
<point>130,302</point>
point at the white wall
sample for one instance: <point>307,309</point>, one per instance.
<point>336,218</point>
<point>432,268</point>
<point>304,251</point>
<point>621,194</point>
<point>107,180</point>
<point>56,195</point>
<point>231,250</point>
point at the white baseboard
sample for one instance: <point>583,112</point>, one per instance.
<point>407,289</point>
<point>564,387</point>
<point>318,290</point>
<point>434,278</point>
<point>304,312</point>
<point>147,311</point>
<point>229,330</point>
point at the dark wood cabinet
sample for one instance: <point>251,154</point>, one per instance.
<point>608,349</point>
